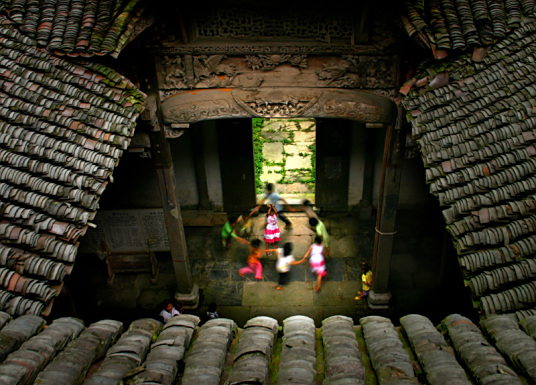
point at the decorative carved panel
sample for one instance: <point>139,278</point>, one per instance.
<point>190,107</point>
<point>276,103</point>
<point>274,22</point>
<point>276,70</point>
<point>269,62</point>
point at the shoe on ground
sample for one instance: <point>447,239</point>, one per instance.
<point>288,226</point>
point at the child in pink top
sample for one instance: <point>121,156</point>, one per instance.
<point>272,235</point>
<point>317,261</point>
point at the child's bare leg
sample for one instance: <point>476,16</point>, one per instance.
<point>318,281</point>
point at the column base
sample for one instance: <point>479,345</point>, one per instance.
<point>379,301</point>
<point>189,301</point>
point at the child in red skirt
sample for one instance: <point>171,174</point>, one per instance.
<point>272,235</point>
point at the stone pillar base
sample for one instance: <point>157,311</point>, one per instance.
<point>189,301</point>
<point>379,300</point>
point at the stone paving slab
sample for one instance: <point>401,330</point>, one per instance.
<point>273,152</point>
<point>277,135</point>
<point>340,293</point>
<point>297,161</point>
<point>343,247</point>
<point>305,136</point>
<point>224,293</point>
<point>256,293</point>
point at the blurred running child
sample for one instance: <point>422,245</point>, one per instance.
<point>284,260</point>
<point>254,264</point>
<point>272,235</point>
<point>317,260</point>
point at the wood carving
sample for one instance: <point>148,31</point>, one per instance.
<point>187,72</point>
<point>269,62</point>
<point>280,103</point>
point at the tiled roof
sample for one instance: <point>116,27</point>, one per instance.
<point>63,127</point>
<point>444,25</point>
<point>457,351</point>
<point>474,123</point>
<point>81,27</point>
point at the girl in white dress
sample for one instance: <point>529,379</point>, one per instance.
<point>317,260</point>
<point>272,235</point>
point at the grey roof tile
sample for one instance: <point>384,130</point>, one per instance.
<point>457,351</point>
<point>477,143</point>
<point>63,127</point>
<point>79,28</point>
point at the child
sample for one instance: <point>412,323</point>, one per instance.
<point>271,233</point>
<point>168,311</point>
<point>228,232</point>
<point>284,260</point>
<point>317,261</point>
<point>318,226</point>
<point>211,313</point>
<point>275,199</point>
<point>244,224</point>
<point>254,264</point>
<point>366,281</point>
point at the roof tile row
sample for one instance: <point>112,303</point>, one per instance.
<point>457,351</point>
<point>77,28</point>
<point>463,24</point>
<point>63,128</point>
<point>476,135</point>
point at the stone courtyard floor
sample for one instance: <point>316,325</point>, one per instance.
<point>424,275</point>
<point>244,297</point>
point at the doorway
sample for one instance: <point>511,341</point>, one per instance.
<point>285,155</point>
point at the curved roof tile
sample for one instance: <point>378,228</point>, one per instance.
<point>79,27</point>
<point>446,25</point>
<point>476,135</point>
<point>63,127</point>
<point>374,351</point>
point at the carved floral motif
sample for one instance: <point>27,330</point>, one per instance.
<point>187,72</point>
<point>274,103</point>
<point>357,72</point>
<point>269,62</point>
<point>202,110</point>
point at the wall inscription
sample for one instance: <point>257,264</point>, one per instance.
<point>128,231</point>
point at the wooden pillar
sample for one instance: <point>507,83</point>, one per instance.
<point>368,174</point>
<point>187,293</point>
<point>380,295</point>
<point>199,163</point>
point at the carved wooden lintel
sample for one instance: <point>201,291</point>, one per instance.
<point>280,103</point>
<point>275,70</point>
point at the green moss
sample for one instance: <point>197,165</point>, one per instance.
<point>370,374</point>
<point>319,357</point>
<point>259,159</point>
<point>261,162</point>
<point>276,357</point>
<point>414,361</point>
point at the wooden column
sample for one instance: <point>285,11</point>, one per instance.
<point>380,295</point>
<point>199,164</point>
<point>187,293</point>
<point>172,211</point>
<point>368,174</point>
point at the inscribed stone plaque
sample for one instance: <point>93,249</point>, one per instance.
<point>123,231</point>
<point>129,231</point>
<point>154,229</point>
